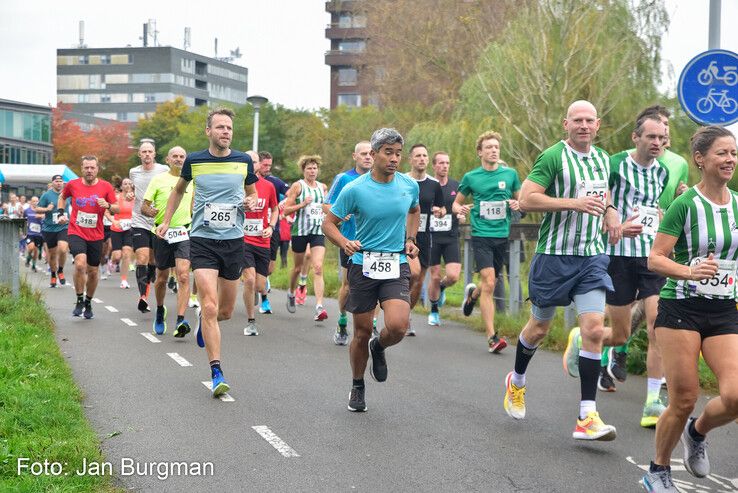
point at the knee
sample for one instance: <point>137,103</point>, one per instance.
<point>730,401</point>
<point>317,270</point>
<point>487,285</point>
<point>451,278</point>
<point>682,401</point>
<point>209,309</point>
<point>595,333</point>
<point>225,313</point>
<point>183,277</point>
<point>536,329</point>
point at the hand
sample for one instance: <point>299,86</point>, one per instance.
<point>63,219</point>
<point>308,200</point>
<point>267,232</point>
<point>705,269</point>
<point>438,211</point>
<point>130,195</point>
<point>612,226</point>
<point>249,203</point>
<point>103,203</point>
<point>161,230</point>
<point>351,247</point>
<point>591,204</point>
<point>51,207</point>
<point>514,204</point>
<point>411,249</point>
<point>681,188</point>
<point>465,210</point>
<point>632,228</point>
<point>152,211</point>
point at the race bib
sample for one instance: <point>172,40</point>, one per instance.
<point>422,223</point>
<point>649,218</point>
<point>493,211</point>
<point>315,212</point>
<point>34,228</point>
<point>721,284</point>
<point>106,221</point>
<point>125,224</point>
<point>379,265</point>
<point>86,220</point>
<point>594,187</point>
<point>440,224</point>
<point>220,216</point>
<point>253,227</point>
<point>55,217</point>
<point>176,235</point>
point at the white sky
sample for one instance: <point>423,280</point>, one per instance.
<point>283,41</point>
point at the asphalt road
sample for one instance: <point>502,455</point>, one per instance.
<point>437,424</point>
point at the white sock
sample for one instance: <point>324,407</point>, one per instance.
<point>589,355</point>
<point>517,379</point>
<point>586,407</point>
<point>653,388</point>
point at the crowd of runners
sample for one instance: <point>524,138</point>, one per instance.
<point>622,237</point>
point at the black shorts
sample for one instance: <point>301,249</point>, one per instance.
<point>121,239</point>
<point>52,238</point>
<point>225,256</point>
<point>343,258</point>
<point>300,243</point>
<point>424,245</point>
<point>274,245</point>
<point>142,238</point>
<point>445,247</point>
<point>165,254</point>
<point>489,252</point>
<point>36,240</point>
<point>708,317</point>
<point>364,293</point>
<point>107,232</point>
<point>632,280</point>
<point>93,249</point>
<point>257,257</point>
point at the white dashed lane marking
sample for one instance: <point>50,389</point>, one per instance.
<point>111,309</point>
<point>224,397</point>
<point>150,337</point>
<point>179,359</point>
<point>128,322</point>
<point>275,441</point>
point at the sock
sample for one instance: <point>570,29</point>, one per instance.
<point>624,347</point>
<point>654,388</point>
<point>88,300</point>
<point>523,354</point>
<point>696,435</point>
<point>215,365</point>
<point>252,320</point>
<point>60,270</point>
<point>358,383</point>
<point>263,297</point>
<point>658,468</point>
<point>442,284</point>
<point>342,319</point>
<point>33,263</point>
<point>80,297</point>
<point>586,407</point>
<point>434,306</point>
<point>589,371</point>
<point>151,273</point>
<point>53,274</point>
<point>374,323</point>
<point>142,280</point>
<point>303,280</point>
<point>180,319</point>
<point>605,356</point>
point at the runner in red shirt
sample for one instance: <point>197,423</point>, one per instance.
<point>257,229</point>
<point>90,196</point>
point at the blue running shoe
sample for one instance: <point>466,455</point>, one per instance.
<point>442,298</point>
<point>220,386</point>
<point>200,340</point>
<point>265,307</point>
<point>434,319</point>
<point>160,324</point>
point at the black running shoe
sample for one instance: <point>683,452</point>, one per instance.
<point>616,365</point>
<point>378,367</point>
<point>78,309</point>
<point>172,283</point>
<point>143,305</point>
<point>605,382</point>
<point>182,329</point>
<point>356,402</point>
<point>88,311</point>
<point>469,302</point>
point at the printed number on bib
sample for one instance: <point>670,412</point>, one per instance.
<point>595,187</point>
<point>86,220</point>
<point>422,223</point>
<point>493,211</point>
<point>220,216</point>
<point>106,221</point>
<point>125,224</point>
<point>721,284</point>
<point>441,223</point>
<point>253,227</point>
<point>55,217</point>
<point>648,217</point>
<point>34,228</point>
<point>315,212</point>
<point>379,265</point>
<point>177,235</point>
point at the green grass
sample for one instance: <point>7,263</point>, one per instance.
<point>41,415</point>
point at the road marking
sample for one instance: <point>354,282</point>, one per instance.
<point>150,337</point>
<point>179,359</point>
<point>275,441</point>
<point>128,322</point>
<point>111,309</point>
<point>724,485</point>
<point>97,300</point>
<point>223,397</point>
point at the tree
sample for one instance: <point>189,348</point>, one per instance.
<point>162,127</point>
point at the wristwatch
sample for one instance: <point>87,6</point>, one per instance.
<point>411,238</point>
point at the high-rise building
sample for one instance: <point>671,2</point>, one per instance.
<point>125,84</point>
<point>25,133</point>
<point>348,36</point>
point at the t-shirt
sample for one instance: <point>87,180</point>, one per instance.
<point>429,195</point>
<point>348,228</point>
<point>124,215</point>
<point>281,189</point>
<point>158,192</point>
<point>33,222</point>
<point>141,179</point>
<point>48,225</point>
<point>218,210</point>
<point>701,227</point>
<point>677,167</point>
<point>489,189</point>
<point>567,173</point>
<point>380,210</point>
<point>309,219</point>
<point>633,186</point>
<point>267,202</point>
<point>86,219</point>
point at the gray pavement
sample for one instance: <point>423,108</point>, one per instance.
<point>437,424</point>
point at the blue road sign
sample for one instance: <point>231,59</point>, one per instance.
<point>708,88</point>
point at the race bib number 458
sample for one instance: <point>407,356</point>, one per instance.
<point>379,265</point>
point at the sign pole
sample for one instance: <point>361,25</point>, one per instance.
<point>713,37</point>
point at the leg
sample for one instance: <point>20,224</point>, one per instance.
<point>93,274</point>
<point>359,348</point>
<point>720,355</point>
<point>61,253</point>
<point>619,331</point>
<point>249,283</point>
<point>486,302</point>
<point>227,291</point>
<point>317,255</point>
<point>434,289</point>
<point>52,258</point>
<point>343,291</point>
<point>125,262</point>
<point>654,368</point>
<point>80,273</point>
<point>453,271</point>
<point>182,269</point>
<point>160,285</point>
<point>299,259</point>
<point>207,283</point>
<point>416,280</point>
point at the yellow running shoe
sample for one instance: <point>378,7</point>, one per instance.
<point>571,355</point>
<point>592,428</point>
<point>514,402</point>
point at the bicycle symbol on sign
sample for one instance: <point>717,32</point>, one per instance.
<point>729,77</point>
<point>719,99</point>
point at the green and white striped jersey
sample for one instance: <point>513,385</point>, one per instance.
<point>702,227</point>
<point>566,173</point>
<point>634,187</point>
<point>309,219</point>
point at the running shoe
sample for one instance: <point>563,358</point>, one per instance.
<point>340,337</point>
<point>88,311</point>
<point>301,294</point>
<point>124,285</point>
<point>514,402</point>
<point>62,280</point>
<point>375,332</point>
<point>592,428</point>
<point>143,305</point>
<point>378,366</point>
<point>658,482</point>
<point>469,302</point>
<point>172,284</point>
<point>182,329</point>
<point>410,332</point>
<point>616,365</point>
<point>193,302</point>
<point>251,329</point>
<point>265,307</point>
<point>160,323</point>
<point>200,340</point>
<point>320,314</point>
<point>78,309</point>
<point>695,453</point>
<point>434,318</point>
<point>496,344</point>
<point>104,274</point>
<point>442,298</point>
<point>52,282</point>
<point>291,303</point>
<point>356,400</point>
<point>605,382</point>
<point>220,386</point>
<point>268,285</point>
<point>571,355</point>
<point>652,411</point>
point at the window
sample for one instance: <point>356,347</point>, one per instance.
<point>67,82</point>
<point>188,66</point>
<point>347,76</point>
<point>118,98</point>
<point>82,60</point>
<point>353,100</point>
<point>104,98</point>
<point>116,78</point>
<point>346,21</point>
<point>109,116</point>
<point>105,59</point>
<point>121,59</point>
<point>356,46</point>
<point>68,98</point>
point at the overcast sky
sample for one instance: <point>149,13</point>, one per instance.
<point>282,41</point>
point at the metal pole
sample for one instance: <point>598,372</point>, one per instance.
<point>256,129</point>
<point>514,273</point>
<point>713,37</point>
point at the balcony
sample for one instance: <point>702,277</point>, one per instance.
<point>336,57</point>
<point>333,31</point>
<point>341,5</point>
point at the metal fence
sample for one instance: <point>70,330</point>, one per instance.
<point>10,234</point>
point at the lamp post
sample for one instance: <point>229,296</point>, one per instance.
<point>257,102</point>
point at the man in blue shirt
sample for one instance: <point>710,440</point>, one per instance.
<point>385,206</point>
<point>362,164</point>
<point>54,234</point>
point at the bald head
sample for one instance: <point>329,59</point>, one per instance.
<point>581,125</point>
<point>579,105</point>
<point>147,154</point>
<point>176,158</point>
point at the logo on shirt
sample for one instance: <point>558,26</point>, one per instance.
<point>501,185</point>
<point>86,201</point>
<point>260,204</point>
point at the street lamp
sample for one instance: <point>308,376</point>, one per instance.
<point>257,102</point>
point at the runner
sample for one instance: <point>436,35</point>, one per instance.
<point>697,310</point>
<point>173,251</point>
<point>54,232</point>
<point>34,239</point>
<point>120,232</point>
<point>362,164</point>
<point>306,197</point>
<point>91,196</point>
<point>385,205</point>
<point>495,190</point>
<point>444,240</point>
<point>142,225</point>
<point>224,188</point>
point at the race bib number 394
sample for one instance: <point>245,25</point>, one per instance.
<point>379,265</point>
<point>441,223</point>
<point>220,216</point>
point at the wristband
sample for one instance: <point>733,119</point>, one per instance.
<point>411,238</point>
<point>611,206</point>
<point>61,211</point>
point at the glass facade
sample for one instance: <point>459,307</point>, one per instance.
<point>25,126</point>
<point>13,154</point>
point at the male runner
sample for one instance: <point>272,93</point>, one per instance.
<point>34,239</point>
<point>54,232</point>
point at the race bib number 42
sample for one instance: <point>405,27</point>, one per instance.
<point>86,220</point>
<point>648,217</point>
<point>721,284</point>
<point>493,211</point>
<point>220,216</point>
<point>379,265</point>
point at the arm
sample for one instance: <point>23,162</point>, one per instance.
<point>459,207</point>
<point>174,200</point>
<point>148,210</point>
<point>659,262</point>
<point>411,226</point>
<point>533,198</point>
<point>251,199</point>
<point>331,231</point>
<point>439,202</point>
<point>290,204</point>
<point>515,201</point>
